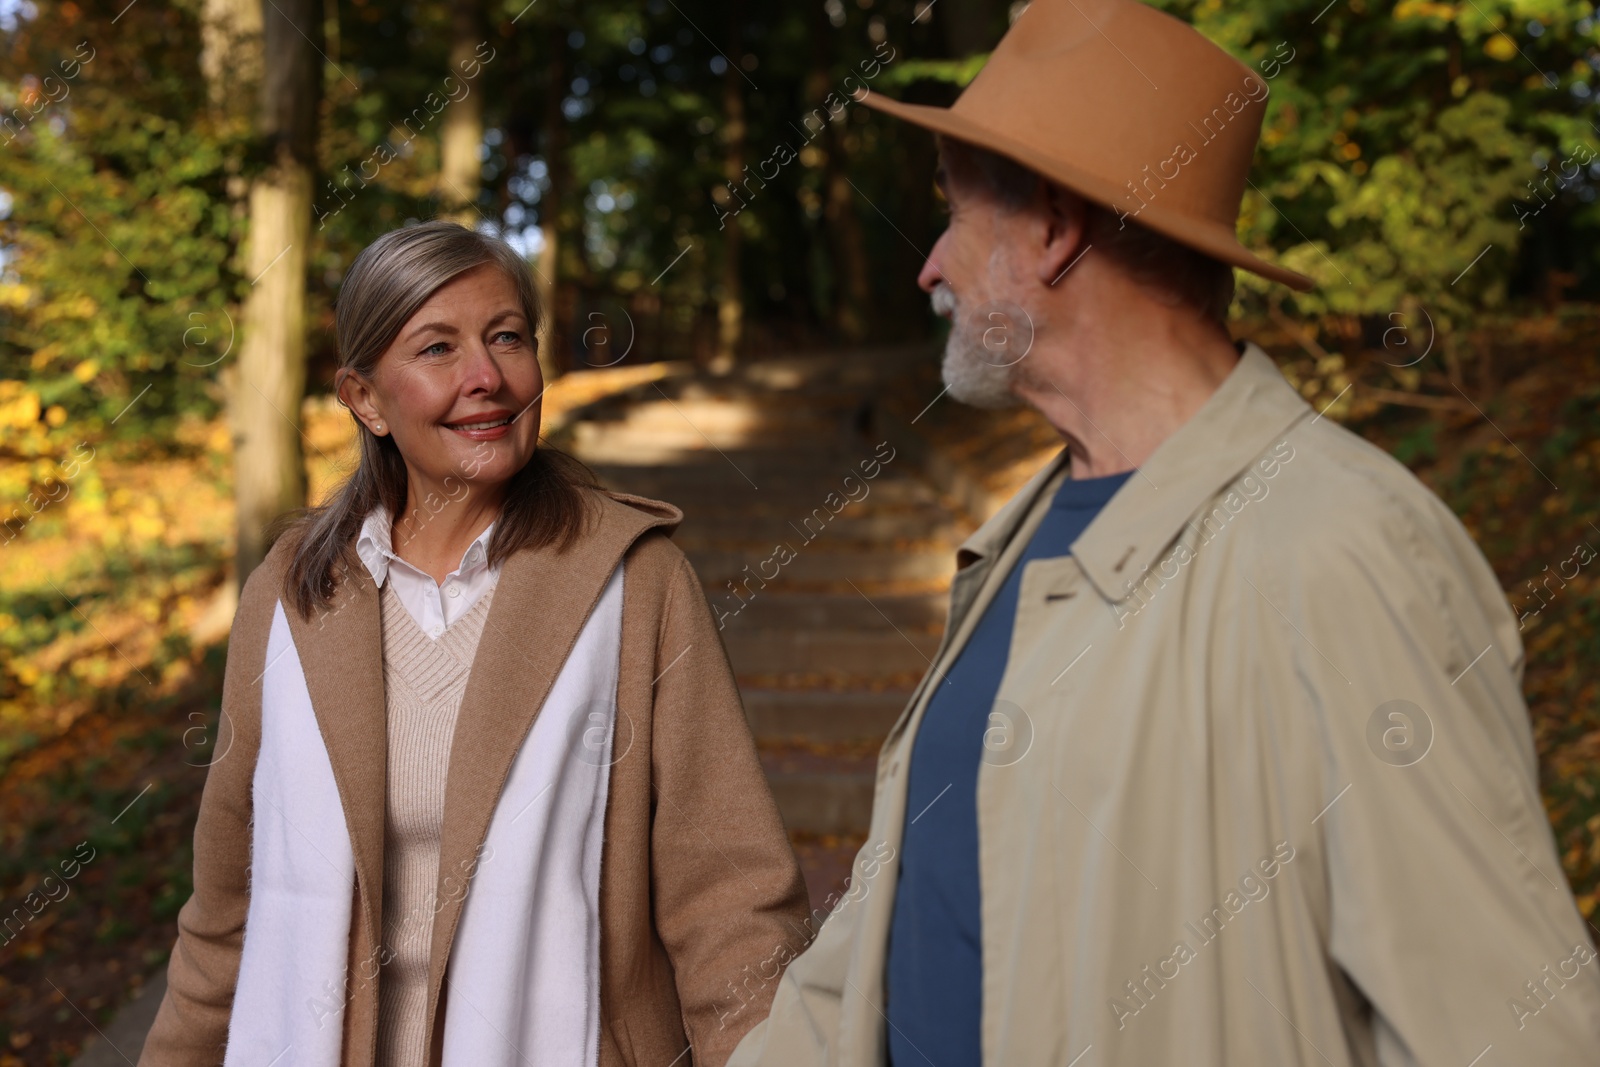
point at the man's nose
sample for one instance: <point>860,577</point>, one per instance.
<point>930,275</point>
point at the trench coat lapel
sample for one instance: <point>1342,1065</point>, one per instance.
<point>341,655</point>
<point>542,600</point>
<point>1253,407</point>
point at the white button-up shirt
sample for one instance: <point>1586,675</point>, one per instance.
<point>432,605</point>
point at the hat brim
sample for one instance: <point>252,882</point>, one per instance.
<point>1217,241</point>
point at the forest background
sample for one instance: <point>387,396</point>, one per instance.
<point>184,183</point>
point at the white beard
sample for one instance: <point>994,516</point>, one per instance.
<point>980,355</point>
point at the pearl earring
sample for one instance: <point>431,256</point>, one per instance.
<point>378,428</point>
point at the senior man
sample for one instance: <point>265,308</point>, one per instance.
<point>1224,759</point>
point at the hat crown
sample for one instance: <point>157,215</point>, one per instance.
<point>1127,106</point>
<point>1130,96</point>
<point>1048,31</point>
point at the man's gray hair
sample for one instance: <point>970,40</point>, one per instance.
<point>1186,274</point>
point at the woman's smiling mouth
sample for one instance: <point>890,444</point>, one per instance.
<point>492,425</point>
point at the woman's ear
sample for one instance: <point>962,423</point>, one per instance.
<point>1066,218</point>
<point>357,394</point>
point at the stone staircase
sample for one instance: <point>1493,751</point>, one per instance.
<point>823,552</point>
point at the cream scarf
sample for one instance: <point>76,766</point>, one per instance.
<point>523,981</point>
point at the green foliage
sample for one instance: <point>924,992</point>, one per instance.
<point>119,232</point>
<point>1405,140</point>
<point>958,72</point>
<point>1415,154</point>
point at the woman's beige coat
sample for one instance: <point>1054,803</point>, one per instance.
<point>698,881</point>
<point>1259,791</point>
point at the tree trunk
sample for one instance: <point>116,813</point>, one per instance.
<point>460,169</point>
<point>730,302</point>
<point>847,245</point>
<point>269,467</point>
<point>552,359</point>
<point>230,51</point>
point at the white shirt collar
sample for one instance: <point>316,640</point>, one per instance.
<point>375,548</point>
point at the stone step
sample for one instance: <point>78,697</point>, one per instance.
<point>866,530</point>
<point>789,610</point>
<point>785,714</point>
<point>659,425</point>
<point>731,504</point>
<point>655,403</point>
<point>795,466</point>
<point>705,474</point>
<point>820,789</point>
<point>816,564</point>
<point>855,654</point>
<point>732,512</point>
<point>682,444</point>
<point>728,427</point>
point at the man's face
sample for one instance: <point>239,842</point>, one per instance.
<point>976,280</point>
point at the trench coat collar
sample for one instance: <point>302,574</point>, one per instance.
<point>542,600</point>
<point>1252,408</point>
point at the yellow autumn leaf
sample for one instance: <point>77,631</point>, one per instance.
<point>86,370</point>
<point>1423,9</point>
<point>20,411</point>
<point>146,527</point>
<point>1500,47</point>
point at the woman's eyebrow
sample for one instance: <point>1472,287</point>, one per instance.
<point>441,327</point>
<point>508,313</point>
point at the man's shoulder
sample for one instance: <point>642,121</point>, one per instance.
<point>1344,521</point>
<point>1326,489</point>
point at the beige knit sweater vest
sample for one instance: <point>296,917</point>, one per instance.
<point>424,680</point>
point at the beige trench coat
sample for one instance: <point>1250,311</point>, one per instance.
<point>1259,787</point>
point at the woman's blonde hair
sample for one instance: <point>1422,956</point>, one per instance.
<point>388,282</point>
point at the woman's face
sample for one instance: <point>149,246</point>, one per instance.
<point>467,357</point>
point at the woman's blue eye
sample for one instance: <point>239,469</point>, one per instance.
<point>513,334</point>
<point>438,348</point>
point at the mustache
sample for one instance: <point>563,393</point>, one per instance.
<point>943,299</point>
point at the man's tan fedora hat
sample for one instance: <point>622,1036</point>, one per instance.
<point>1126,106</point>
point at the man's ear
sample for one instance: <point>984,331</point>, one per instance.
<point>1066,217</point>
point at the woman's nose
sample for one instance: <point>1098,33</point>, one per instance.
<point>483,371</point>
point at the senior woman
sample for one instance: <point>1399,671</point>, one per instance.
<point>484,793</point>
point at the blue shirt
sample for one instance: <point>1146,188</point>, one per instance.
<point>934,971</point>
